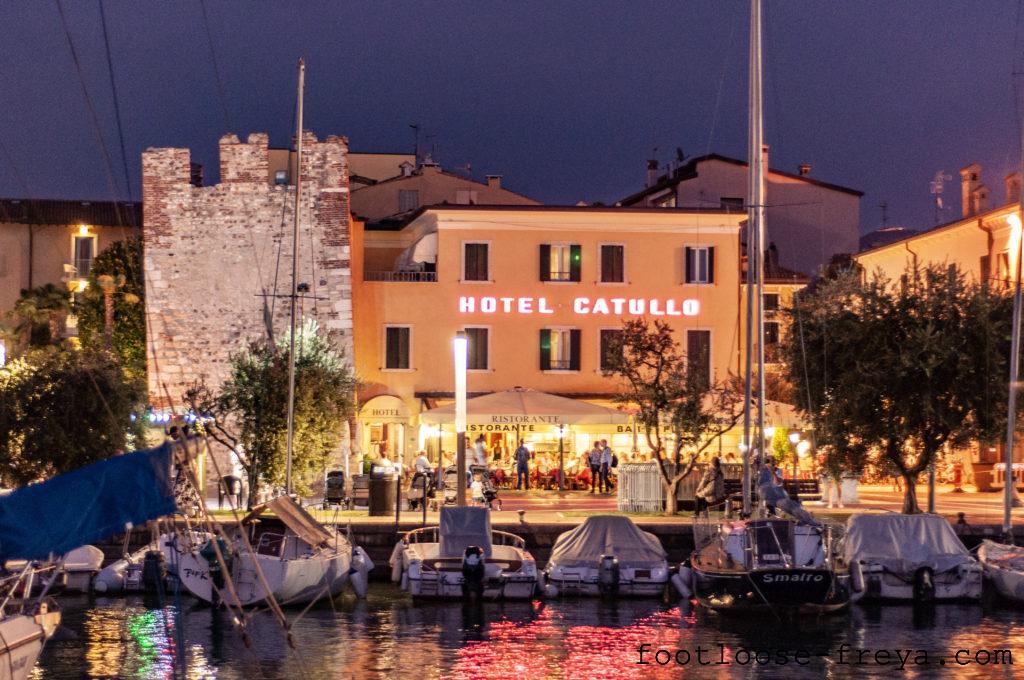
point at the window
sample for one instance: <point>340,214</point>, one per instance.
<point>84,249</point>
<point>666,201</point>
<point>479,360</point>
<point>986,269</point>
<point>560,262</point>
<point>465,197</point>
<point>559,349</point>
<point>474,263</point>
<point>698,356</point>
<point>396,347</point>
<point>771,302</point>
<point>771,333</point>
<point>732,203</point>
<point>281,177</point>
<point>609,339</point>
<point>613,259</point>
<point>408,199</point>
<point>1004,269</point>
<point>700,264</point>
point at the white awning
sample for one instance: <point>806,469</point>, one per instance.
<point>419,253</point>
<point>520,406</point>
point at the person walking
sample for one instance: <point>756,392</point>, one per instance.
<point>481,452</point>
<point>606,466</point>
<point>522,456</point>
<point>711,488</point>
<point>594,461</point>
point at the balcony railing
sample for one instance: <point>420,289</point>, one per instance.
<point>401,277</point>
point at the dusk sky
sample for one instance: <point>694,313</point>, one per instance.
<point>567,100</point>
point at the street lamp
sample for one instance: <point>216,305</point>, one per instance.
<point>460,345</point>
<point>794,437</point>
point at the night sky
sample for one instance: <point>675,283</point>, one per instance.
<point>565,99</point>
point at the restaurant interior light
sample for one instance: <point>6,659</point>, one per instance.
<point>794,437</point>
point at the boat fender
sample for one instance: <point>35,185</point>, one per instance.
<point>608,575</point>
<point>154,571</point>
<point>924,585</point>
<point>208,553</point>
<point>473,572</point>
<point>857,577</point>
<point>683,581</point>
<point>396,562</point>
<point>550,590</point>
<point>359,572</point>
<point>404,585</point>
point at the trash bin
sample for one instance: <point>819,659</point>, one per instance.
<point>382,495</point>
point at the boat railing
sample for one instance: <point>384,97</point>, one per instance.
<point>759,557</point>
<point>705,532</point>
<point>432,535</point>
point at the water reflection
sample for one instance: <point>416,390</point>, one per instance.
<point>388,636</point>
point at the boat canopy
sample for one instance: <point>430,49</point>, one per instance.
<point>86,505</point>
<point>607,535</point>
<point>522,406</point>
<point>902,544</point>
<point>463,527</point>
<point>299,521</point>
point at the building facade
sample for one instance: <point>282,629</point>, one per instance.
<point>808,220</point>
<point>56,241</point>
<point>213,255</point>
<point>539,290</point>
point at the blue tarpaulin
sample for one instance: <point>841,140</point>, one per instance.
<point>86,505</point>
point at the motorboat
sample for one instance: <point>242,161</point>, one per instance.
<point>128,574</point>
<point>304,562</point>
<point>607,555</point>
<point>777,564</point>
<point>464,558</point>
<point>1004,568</point>
<point>25,626</point>
<point>79,567</point>
<point>909,557</point>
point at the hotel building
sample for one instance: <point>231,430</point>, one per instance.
<point>539,290</point>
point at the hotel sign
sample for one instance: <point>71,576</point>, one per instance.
<point>583,306</point>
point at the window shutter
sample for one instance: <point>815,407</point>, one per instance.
<point>575,262</point>
<point>545,262</point>
<point>688,265</point>
<point>574,349</point>
<point>545,349</point>
<point>711,264</point>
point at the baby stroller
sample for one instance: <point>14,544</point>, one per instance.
<point>451,484</point>
<point>334,490</point>
<point>490,491</point>
<point>421,489</point>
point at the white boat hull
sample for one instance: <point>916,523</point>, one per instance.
<point>125,575</point>
<point>871,582</point>
<point>22,638</point>
<point>1006,575</point>
<point>585,581</point>
<point>511,576</point>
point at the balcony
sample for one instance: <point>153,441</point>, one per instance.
<point>401,277</point>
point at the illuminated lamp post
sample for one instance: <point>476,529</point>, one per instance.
<point>461,347</point>
<point>794,438</point>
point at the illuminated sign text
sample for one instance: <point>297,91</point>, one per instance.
<point>469,304</point>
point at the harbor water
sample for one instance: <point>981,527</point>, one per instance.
<point>388,636</point>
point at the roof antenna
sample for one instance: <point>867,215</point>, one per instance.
<point>416,141</point>
<point>885,213</point>
<point>937,185</point>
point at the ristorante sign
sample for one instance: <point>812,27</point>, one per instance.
<point>471,304</point>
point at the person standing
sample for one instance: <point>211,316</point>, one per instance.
<point>481,452</point>
<point>594,461</point>
<point>522,456</point>
<point>606,466</point>
<point>711,488</point>
<point>422,462</point>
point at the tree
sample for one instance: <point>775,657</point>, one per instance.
<point>250,413</point>
<point>110,312</point>
<point>899,370</point>
<point>674,396</point>
<point>40,312</point>
<point>61,409</point>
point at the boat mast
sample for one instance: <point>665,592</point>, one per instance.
<point>1010,499</point>
<point>755,235</point>
<point>295,283</point>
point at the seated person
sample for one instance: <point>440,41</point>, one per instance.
<point>583,477</point>
<point>499,477</point>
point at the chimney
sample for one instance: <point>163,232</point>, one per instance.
<point>970,180</point>
<point>494,181</point>
<point>805,169</point>
<point>1013,187</point>
<point>979,199</point>
<point>764,158</point>
<point>652,172</point>
<point>195,174</point>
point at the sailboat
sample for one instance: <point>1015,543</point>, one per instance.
<point>792,564</point>
<point>307,560</point>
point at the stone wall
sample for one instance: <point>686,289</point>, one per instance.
<point>215,255</point>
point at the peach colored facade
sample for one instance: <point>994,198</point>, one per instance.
<point>514,305</point>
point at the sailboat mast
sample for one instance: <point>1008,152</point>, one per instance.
<point>295,282</point>
<point>1011,406</point>
<point>755,219</point>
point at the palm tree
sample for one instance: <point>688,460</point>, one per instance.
<point>48,304</point>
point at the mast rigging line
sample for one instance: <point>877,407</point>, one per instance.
<point>221,95</point>
<point>117,111</point>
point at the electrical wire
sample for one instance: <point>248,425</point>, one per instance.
<point>117,110</point>
<point>216,69</point>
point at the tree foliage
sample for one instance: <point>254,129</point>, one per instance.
<point>675,398</point>
<point>250,414</point>
<point>40,313</point>
<point>61,409</point>
<point>116,278</point>
<point>899,370</point>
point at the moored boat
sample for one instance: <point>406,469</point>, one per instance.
<point>464,558</point>
<point>909,558</point>
<point>607,555</point>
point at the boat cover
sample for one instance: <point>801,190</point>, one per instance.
<point>86,505</point>
<point>299,521</point>
<point>904,543</point>
<point>607,535</point>
<point>463,527</point>
<point>1003,556</point>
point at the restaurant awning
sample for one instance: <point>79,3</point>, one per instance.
<point>521,406</point>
